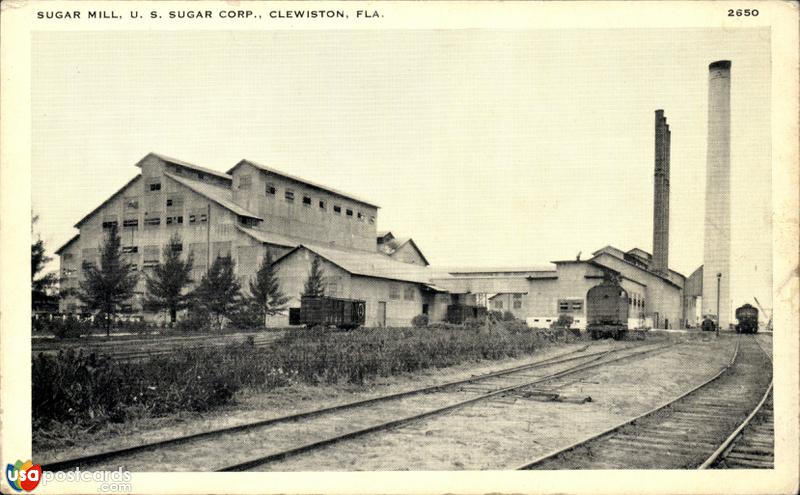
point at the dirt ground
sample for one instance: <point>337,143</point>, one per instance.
<point>507,432</point>
<point>253,406</point>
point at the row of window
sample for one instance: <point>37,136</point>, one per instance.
<point>566,305</point>
<point>173,201</point>
<point>288,195</point>
<point>408,292</point>
<point>517,304</point>
<point>152,220</point>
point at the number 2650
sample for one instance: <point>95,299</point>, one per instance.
<point>742,13</point>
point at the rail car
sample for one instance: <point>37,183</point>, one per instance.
<point>748,319</point>
<point>607,311</point>
<point>329,311</point>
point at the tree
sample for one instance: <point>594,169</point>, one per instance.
<point>265,291</point>
<point>105,288</point>
<point>315,285</point>
<point>165,288</point>
<point>218,293</point>
<point>40,284</point>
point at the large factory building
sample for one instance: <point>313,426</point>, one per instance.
<point>244,212</point>
<point>253,208</point>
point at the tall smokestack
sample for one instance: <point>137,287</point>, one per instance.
<point>661,196</point>
<point>717,245</point>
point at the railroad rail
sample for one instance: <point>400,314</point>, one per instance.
<point>562,358</point>
<point>678,434</point>
<point>752,444</point>
<point>481,395</point>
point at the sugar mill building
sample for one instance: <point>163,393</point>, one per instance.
<point>253,208</point>
<point>242,213</point>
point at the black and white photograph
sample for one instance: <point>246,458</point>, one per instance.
<point>400,240</point>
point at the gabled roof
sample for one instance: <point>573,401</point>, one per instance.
<point>301,181</point>
<point>367,264</point>
<point>183,164</point>
<point>220,195</point>
<point>67,244</point>
<point>270,238</point>
<point>110,198</point>
<point>393,245</point>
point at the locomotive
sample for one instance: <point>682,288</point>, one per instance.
<point>748,319</point>
<point>607,310</point>
<point>329,311</point>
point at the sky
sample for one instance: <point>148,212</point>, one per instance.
<point>488,147</point>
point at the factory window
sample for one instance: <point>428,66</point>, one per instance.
<point>175,220</point>
<point>321,204</point>
<point>517,296</point>
<point>408,294</point>
<point>349,212</point>
<point>577,305</point>
<point>498,304</point>
<point>306,201</point>
<point>271,189</point>
<point>152,221</point>
<point>371,219</point>
<point>337,209</point>
<point>130,249</point>
<point>517,304</point>
<point>131,204</point>
<point>394,291</point>
<point>109,221</point>
<point>563,306</point>
<point>289,195</point>
<point>360,216</point>
<point>175,201</point>
<point>67,256</point>
<point>151,256</point>
<point>245,181</point>
<point>132,223</point>
<point>155,186</point>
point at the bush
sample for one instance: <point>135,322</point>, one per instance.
<point>195,321</point>
<point>509,316</point>
<point>563,321</point>
<point>420,321</point>
<point>87,390</point>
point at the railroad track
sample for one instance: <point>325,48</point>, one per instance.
<point>252,436</point>
<point>752,444</point>
<point>682,433</point>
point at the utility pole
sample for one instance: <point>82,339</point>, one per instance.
<point>719,277</point>
<point>208,241</point>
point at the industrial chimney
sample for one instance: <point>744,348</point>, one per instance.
<point>661,197</point>
<point>717,242</point>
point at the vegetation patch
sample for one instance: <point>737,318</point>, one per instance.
<point>77,391</point>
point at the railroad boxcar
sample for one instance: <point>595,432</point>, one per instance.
<point>331,311</point>
<point>748,319</point>
<point>459,313</point>
<point>607,311</point>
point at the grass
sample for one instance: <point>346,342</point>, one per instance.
<point>73,391</point>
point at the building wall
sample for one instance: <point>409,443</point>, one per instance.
<point>403,300</point>
<point>189,214</point>
<point>302,219</point>
<point>663,301</point>
<point>407,253</point>
<point>516,302</point>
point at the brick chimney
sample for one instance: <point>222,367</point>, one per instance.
<point>660,262</point>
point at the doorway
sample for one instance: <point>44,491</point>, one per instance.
<point>381,321</point>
